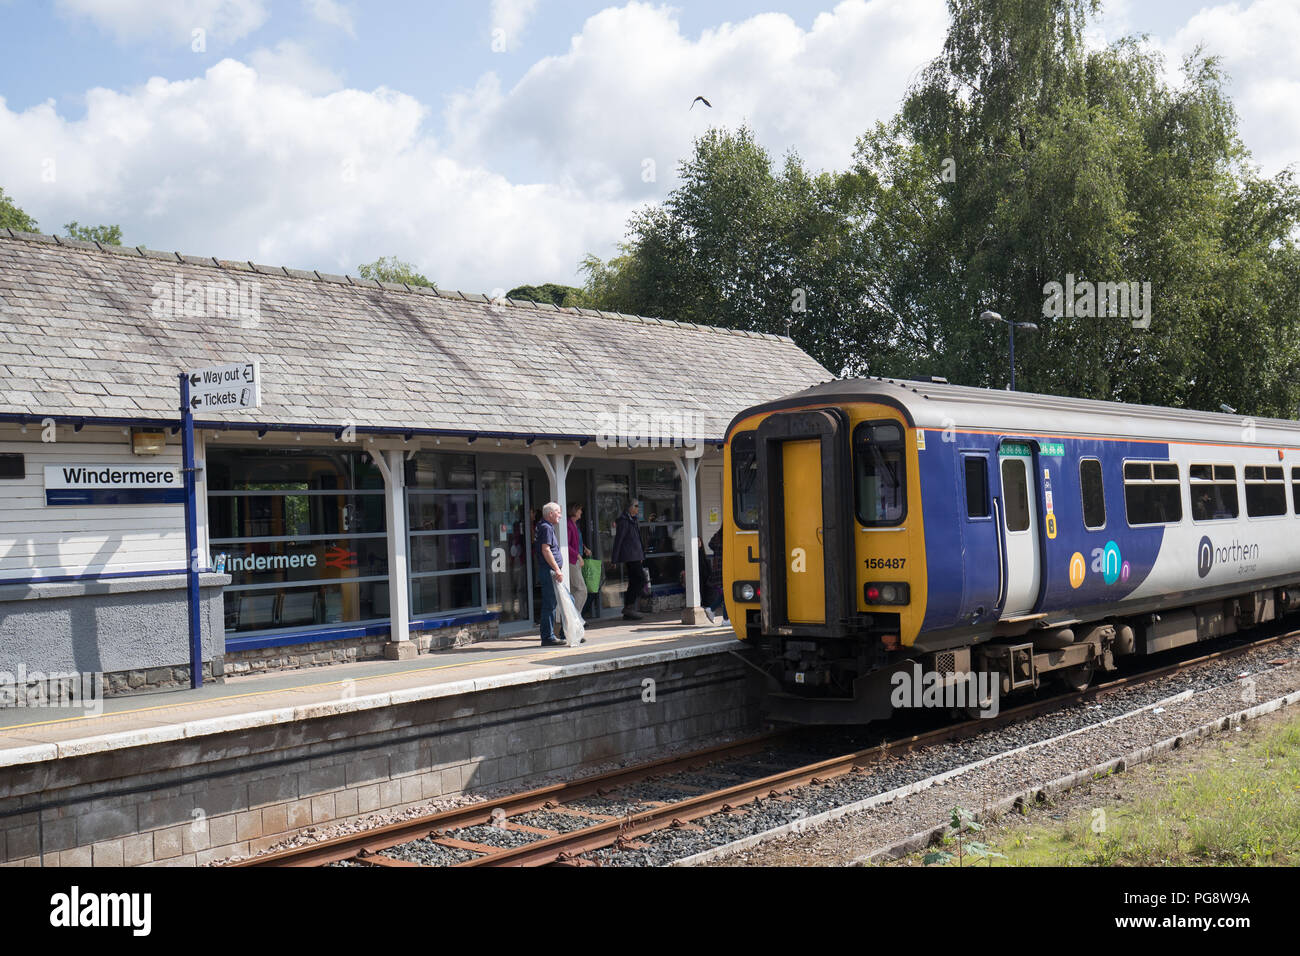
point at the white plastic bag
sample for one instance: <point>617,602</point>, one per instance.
<point>574,626</point>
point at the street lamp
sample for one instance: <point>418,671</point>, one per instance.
<point>1011,332</point>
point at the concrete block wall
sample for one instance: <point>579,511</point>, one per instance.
<point>133,633</point>
<point>347,650</point>
<point>208,796</point>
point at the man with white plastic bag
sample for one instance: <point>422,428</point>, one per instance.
<point>550,580</point>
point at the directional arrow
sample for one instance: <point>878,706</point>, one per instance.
<point>194,379</point>
<point>195,402</point>
<point>248,372</point>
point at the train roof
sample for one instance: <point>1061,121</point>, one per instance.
<point>927,404</point>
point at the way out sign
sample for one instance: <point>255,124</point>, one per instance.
<point>237,385</point>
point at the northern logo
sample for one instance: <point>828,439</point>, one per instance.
<point>1204,556</point>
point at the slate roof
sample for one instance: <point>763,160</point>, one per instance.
<point>97,331</point>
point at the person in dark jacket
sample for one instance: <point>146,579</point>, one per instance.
<point>718,597</point>
<point>628,552</point>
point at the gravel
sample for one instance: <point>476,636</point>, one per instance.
<point>428,853</point>
<point>1217,688</point>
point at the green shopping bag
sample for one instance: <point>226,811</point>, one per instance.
<point>592,574</point>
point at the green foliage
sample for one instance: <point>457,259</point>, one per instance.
<point>1019,157</point>
<point>393,269</point>
<point>565,296</point>
<point>108,235</point>
<point>961,823</point>
<point>13,217</point>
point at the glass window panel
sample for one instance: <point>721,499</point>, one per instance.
<point>1146,503</point>
<point>880,485</point>
<point>1213,502</point>
<point>744,480</point>
<point>1093,493</point>
<point>1164,472</point>
<point>291,515</point>
<point>1015,490</point>
<point>445,593</point>
<point>266,562</point>
<point>444,552</point>
<point>1137,470</point>
<point>304,606</point>
<point>1266,500</point>
<point>977,487</point>
<point>440,470</point>
<point>443,511</point>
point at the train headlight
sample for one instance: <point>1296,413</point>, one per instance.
<point>745,591</point>
<point>889,592</point>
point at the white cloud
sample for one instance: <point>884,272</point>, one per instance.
<point>176,20</point>
<point>234,165</point>
<point>621,95</point>
<point>290,63</point>
<point>332,13</point>
<point>1257,46</point>
<point>511,17</point>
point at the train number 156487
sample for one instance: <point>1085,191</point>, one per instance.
<point>895,564</point>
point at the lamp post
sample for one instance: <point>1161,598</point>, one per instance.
<point>1011,333</point>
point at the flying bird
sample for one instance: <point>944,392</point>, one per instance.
<point>700,99</point>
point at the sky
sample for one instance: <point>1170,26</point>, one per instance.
<point>491,143</point>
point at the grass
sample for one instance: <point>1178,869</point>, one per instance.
<point>1232,800</point>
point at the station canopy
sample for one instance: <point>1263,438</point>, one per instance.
<point>101,332</point>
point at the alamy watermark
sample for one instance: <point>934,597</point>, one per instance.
<point>1085,299</point>
<point>224,299</point>
<point>83,689</point>
<point>634,427</point>
<point>973,690</point>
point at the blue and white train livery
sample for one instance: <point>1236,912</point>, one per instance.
<point>873,526</point>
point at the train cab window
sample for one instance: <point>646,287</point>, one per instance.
<point>1152,493</point>
<point>1265,491</point>
<point>1015,491</point>
<point>1214,492</point>
<point>1093,493</point>
<point>880,479</point>
<point>744,480</point>
<point>977,486</point>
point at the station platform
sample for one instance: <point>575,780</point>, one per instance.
<point>260,757</point>
<point>254,700</point>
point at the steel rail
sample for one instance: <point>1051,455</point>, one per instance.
<point>566,848</point>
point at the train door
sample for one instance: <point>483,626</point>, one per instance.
<point>1019,528</point>
<point>981,564</point>
<point>806,530</point>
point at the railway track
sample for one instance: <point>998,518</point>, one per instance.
<point>587,830</point>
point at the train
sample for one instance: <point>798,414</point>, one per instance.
<point>880,531</point>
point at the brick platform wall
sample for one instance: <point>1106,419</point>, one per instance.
<point>208,797</point>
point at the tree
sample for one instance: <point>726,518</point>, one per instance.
<point>740,244</point>
<point>13,217</point>
<point>1021,162</point>
<point>108,235</point>
<point>1068,165</point>
<point>393,269</point>
<point>565,296</point>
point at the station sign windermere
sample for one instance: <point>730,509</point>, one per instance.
<point>113,484</point>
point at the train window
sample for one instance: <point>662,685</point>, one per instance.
<point>1093,493</point>
<point>1015,491</point>
<point>1265,491</point>
<point>1214,492</point>
<point>1295,489</point>
<point>744,480</point>
<point>977,486</point>
<point>1152,493</point>
<point>880,479</point>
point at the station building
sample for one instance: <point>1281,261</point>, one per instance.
<point>379,501</point>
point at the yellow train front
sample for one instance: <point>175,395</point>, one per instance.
<point>824,567</point>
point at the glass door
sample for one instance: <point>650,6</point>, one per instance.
<point>612,493</point>
<point>505,545</point>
